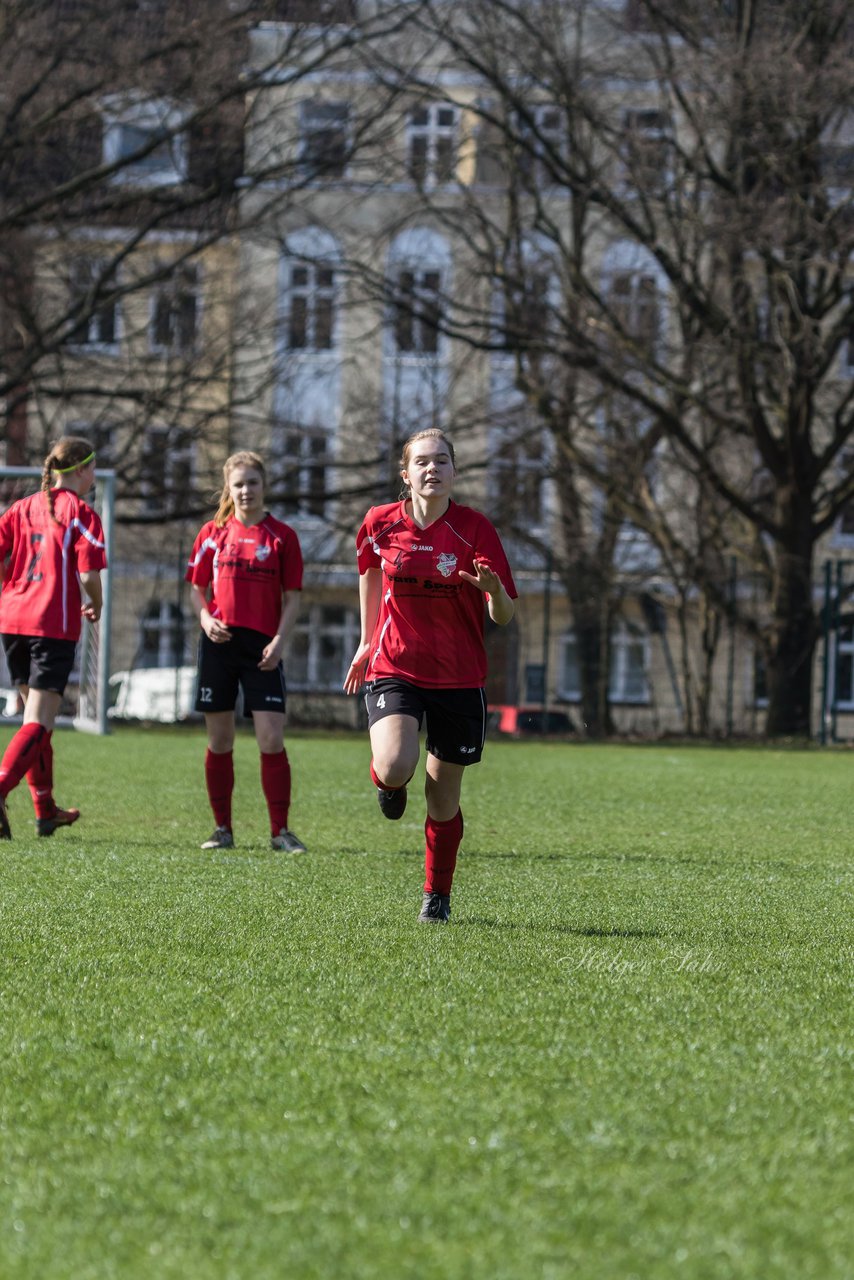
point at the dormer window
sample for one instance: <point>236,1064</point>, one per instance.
<point>145,140</point>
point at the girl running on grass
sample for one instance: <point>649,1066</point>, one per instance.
<point>53,544</point>
<point>426,568</point>
<point>246,575</point>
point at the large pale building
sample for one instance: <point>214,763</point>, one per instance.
<point>389,254</point>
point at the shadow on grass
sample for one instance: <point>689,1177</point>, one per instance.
<point>532,926</point>
<point>577,855</point>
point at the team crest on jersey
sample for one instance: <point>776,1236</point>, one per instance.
<point>446,564</point>
<point>262,552</point>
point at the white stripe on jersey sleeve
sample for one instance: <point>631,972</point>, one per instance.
<point>207,545</point>
<point>77,523</point>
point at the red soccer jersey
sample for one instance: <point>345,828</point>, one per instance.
<point>250,566</point>
<point>41,588</point>
<point>431,621</point>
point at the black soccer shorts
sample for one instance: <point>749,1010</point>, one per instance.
<point>225,668</point>
<point>39,662</point>
<point>456,718</point>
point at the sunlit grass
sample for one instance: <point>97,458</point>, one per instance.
<point>628,1055</point>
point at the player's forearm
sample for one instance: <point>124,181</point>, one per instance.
<point>370,594</point>
<point>90,581</point>
<point>198,602</point>
<point>290,609</point>
<point>501,607</point>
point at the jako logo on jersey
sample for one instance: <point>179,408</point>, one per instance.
<point>262,552</point>
<point>446,564</point>
<point>421,548</point>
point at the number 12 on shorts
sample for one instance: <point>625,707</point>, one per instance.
<point>205,694</point>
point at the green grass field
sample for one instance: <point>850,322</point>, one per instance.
<point>629,1055</point>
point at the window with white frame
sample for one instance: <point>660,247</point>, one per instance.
<point>175,313</point>
<point>517,474</point>
<point>759,679</point>
<point>846,520</point>
<point>638,16</point>
<point>525,306</point>
<point>569,670</point>
<point>541,145</point>
<point>844,669</point>
<point>647,149</point>
<point>163,635</point>
<point>417,310</point>
<point>320,647</point>
<point>846,356</point>
<point>166,469</point>
<point>629,666</point>
<point>309,304</point>
<point>432,144</point>
<point>303,459</point>
<point>145,139</point>
<point>844,528</point>
<point>836,151</point>
<point>634,302</point>
<point>93,307</point>
<point>324,146</point>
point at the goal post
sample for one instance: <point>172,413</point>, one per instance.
<point>93,653</point>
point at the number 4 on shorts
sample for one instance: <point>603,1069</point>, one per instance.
<point>381,702</point>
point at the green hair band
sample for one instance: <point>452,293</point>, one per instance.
<point>62,471</point>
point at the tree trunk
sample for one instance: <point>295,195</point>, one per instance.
<point>794,632</point>
<point>592,631</point>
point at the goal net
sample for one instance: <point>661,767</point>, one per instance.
<point>92,668</point>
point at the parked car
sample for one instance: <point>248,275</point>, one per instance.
<point>521,721</point>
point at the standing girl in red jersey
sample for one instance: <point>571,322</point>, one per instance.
<point>426,567</point>
<point>53,544</point>
<point>246,572</point>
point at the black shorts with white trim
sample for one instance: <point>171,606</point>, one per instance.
<point>226,668</point>
<point>456,718</point>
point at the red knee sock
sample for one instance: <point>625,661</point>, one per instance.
<point>40,779</point>
<point>20,754</point>
<point>378,782</point>
<point>440,858</point>
<point>219,777</point>
<point>276,785</point>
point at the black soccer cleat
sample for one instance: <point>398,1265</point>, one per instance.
<point>287,842</point>
<point>436,908</point>
<point>59,818</point>
<point>5,829</point>
<point>221,839</point>
<point>392,803</point>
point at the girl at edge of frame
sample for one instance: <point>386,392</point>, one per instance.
<point>426,567</point>
<point>53,545</point>
<point>246,576</point>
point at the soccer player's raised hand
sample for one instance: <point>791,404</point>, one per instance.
<point>487,579</point>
